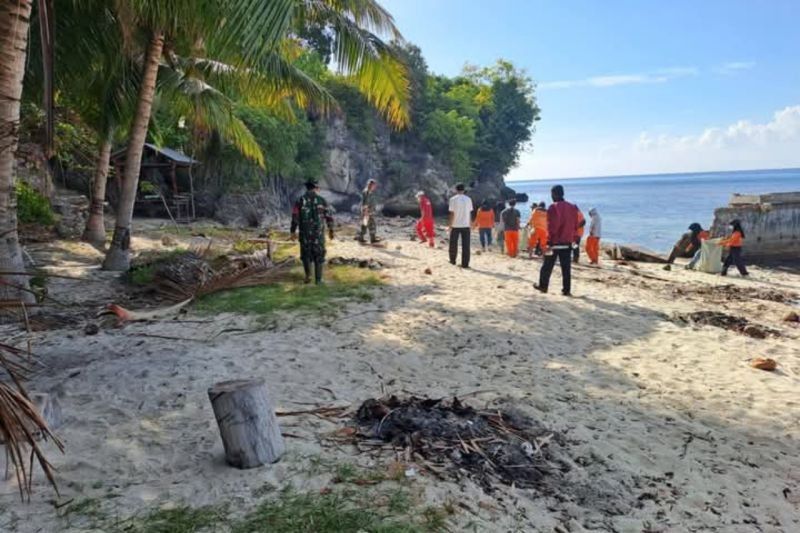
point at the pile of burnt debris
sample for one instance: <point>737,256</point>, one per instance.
<point>453,440</point>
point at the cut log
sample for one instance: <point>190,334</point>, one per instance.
<point>247,423</point>
<point>631,252</point>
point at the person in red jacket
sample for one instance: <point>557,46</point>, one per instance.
<point>425,226</point>
<point>562,227</point>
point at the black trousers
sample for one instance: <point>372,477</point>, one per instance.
<point>564,256</point>
<point>734,258</point>
<point>464,234</point>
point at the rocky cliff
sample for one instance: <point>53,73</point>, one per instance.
<point>400,168</point>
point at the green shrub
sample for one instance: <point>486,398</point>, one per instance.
<point>32,207</point>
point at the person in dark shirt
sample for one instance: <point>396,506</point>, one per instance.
<point>562,225</point>
<point>510,218</point>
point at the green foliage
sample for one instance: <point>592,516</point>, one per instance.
<point>451,136</point>
<point>32,207</point>
<point>294,295</point>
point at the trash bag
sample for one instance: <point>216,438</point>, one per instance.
<point>710,257</point>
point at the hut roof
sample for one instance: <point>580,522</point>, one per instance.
<point>173,155</point>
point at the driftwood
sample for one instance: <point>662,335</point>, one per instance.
<point>247,423</point>
<point>630,252</point>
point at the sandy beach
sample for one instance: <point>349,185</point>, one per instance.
<point>667,425</point>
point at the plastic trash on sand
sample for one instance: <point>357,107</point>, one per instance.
<point>710,257</point>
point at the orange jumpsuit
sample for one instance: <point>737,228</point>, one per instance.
<point>538,223</point>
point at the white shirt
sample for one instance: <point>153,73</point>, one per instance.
<point>461,207</point>
<point>595,226</point>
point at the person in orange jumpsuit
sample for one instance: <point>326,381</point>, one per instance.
<point>734,245</point>
<point>511,216</point>
<point>576,248</point>
<point>537,242</point>
<point>593,241</point>
<point>425,225</point>
<point>484,223</point>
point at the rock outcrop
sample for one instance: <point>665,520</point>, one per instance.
<point>400,168</point>
<point>771,223</point>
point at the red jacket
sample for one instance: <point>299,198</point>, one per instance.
<point>562,223</point>
<point>425,208</point>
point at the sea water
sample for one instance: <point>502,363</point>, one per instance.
<point>654,210</point>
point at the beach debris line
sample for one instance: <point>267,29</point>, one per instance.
<point>725,321</point>
<point>371,264</point>
<point>723,293</point>
<point>452,439</point>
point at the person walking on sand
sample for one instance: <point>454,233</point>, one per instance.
<point>458,223</point>
<point>688,244</point>
<point>369,206</point>
<point>562,226</point>
<point>310,214</point>
<point>425,230</point>
<point>734,244</point>
<point>576,248</point>
<point>593,241</point>
<point>484,223</point>
<point>511,221</point>
<point>499,207</point>
<point>538,225</point>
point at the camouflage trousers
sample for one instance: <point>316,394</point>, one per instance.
<point>313,254</point>
<point>370,226</point>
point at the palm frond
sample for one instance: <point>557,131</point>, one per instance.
<point>361,55</point>
<point>21,424</point>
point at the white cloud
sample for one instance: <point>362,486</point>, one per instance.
<point>744,144</point>
<point>612,80</point>
<point>734,67</point>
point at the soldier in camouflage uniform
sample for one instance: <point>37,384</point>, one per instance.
<point>369,205</point>
<point>310,214</point>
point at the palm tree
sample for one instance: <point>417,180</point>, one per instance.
<point>14,17</point>
<point>249,39</point>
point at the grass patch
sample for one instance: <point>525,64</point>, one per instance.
<point>341,512</point>
<point>293,295</point>
<point>178,520</point>
<point>32,207</point>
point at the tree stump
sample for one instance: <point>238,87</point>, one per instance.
<point>247,422</point>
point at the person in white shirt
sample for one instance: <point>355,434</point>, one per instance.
<point>459,222</point>
<point>593,242</point>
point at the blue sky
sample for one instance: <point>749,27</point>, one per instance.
<point>636,86</point>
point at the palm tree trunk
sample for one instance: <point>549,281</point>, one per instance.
<point>95,232</point>
<point>14,21</point>
<point>118,255</point>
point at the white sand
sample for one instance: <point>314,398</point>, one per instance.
<point>632,391</point>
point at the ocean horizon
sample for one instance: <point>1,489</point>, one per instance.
<point>653,210</point>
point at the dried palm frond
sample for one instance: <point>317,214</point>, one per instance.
<point>190,275</point>
<point>21,424</point>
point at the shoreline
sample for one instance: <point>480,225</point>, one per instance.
<point>667,425</point>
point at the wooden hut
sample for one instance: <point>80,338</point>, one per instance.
<point>166,186</point>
